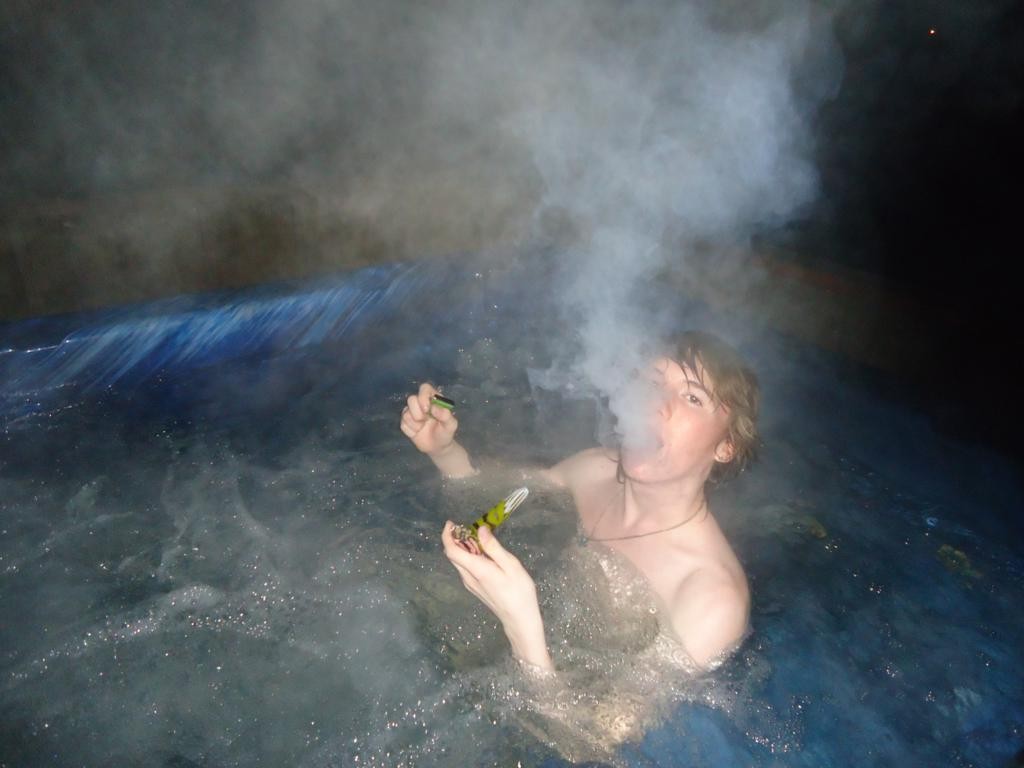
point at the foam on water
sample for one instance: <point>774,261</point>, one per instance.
<point>275,594</point>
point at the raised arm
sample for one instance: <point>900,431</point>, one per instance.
<point>431,428</point>
<point>501,583</point>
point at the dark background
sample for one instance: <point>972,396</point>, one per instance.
<point>919,151</point>
<point>922,158</point>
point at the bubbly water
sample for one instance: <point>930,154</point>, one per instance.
<point>255,578</point>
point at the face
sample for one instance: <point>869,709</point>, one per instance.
<point>690,427</point>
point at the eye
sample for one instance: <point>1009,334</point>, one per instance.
<point>691,398</point>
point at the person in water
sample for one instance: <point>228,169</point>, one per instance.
<point>648,505</point>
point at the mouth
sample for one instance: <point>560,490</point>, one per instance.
<point>649,447</point>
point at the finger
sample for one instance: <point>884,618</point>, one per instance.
<point>414,427</point>
<point>448,539</point>
<point>427,391</point>
<point>480,567</point>
<point>468,545</point>
<point>407,430</point>
<point>447,423</point>
<point>475,588</point>
<point>415,409</point>
<point>451,544</point>
<point>444,416</point>
<point>493,549</point>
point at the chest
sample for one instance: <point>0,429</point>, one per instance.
<point>662,564</point>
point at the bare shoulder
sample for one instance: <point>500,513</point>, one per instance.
<point>710,611</point>
<point>583,467</point>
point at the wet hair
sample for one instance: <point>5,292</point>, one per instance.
<point>735,387</point>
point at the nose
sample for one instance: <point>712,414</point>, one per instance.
<point>657,399</point>
<point>663,404</point>
<point>646,387</point>
<point>662,407</point>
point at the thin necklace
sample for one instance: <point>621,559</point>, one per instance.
<point>584,538</point>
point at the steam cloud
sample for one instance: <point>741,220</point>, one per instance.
<point>645,128</point>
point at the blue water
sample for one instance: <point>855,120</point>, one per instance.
<point>217,549</point>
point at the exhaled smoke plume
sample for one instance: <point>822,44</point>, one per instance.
<point>654,126</point>
<point>649,126</point>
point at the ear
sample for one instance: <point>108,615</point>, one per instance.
<point>725,451</point>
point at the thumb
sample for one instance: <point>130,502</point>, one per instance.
<point>493,549</point>
<point>446,419</point>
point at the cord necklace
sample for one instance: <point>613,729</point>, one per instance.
<point>584,537</point>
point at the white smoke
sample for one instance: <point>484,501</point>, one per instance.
<point>653,126</point>
<point>646,126</point>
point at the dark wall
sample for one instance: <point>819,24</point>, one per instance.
<point>171,146</point>
<point>927,194</point>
